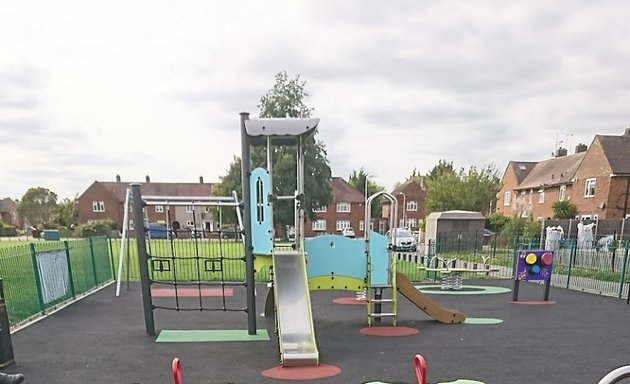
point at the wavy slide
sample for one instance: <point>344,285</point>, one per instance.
<point>296,336</point>
<point>422,301</point>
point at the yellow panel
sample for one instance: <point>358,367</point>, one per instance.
<point>335,282</point>
<point>262,262</point>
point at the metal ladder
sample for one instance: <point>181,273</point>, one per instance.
<point>381,295</point>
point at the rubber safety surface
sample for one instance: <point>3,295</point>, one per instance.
<point>204,336</point>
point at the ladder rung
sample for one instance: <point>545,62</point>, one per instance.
<point>382,314</point>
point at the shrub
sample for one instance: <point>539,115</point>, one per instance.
<point>7,230</point>
<point>96,228</point>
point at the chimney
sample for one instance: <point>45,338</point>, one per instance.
<point>561,152</point>
<point>200,179</point>
<point>118,178</point>
<point>148,179</point>
<point>580,148</point>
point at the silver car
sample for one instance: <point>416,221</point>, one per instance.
<point>405,240</point>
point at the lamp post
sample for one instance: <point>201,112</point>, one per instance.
<point>404,208</point>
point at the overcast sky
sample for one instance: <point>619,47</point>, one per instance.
<point>92,89</point>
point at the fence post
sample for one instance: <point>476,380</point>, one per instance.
<point>111,256</point>
<point>622,279</point>
<point>571,260</point>
<point>71,277</point>
<point>93,260</point>
<point>38,281</point>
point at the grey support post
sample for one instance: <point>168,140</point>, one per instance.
<point>247,227</point>
<point>138,219</point>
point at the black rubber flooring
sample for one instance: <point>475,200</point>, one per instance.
<point>101,340</point>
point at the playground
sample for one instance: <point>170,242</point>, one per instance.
<point>101,340</point>
<point>334,309</point>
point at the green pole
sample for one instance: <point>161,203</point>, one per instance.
<point>622,278</point>
<point>71,278</point>
<point>38,281</point>
<point>111,257</point>
<point>93,260</point>
<point>571,259</point>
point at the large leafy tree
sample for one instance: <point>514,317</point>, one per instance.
<point>66,213</point>
<point>286,100</point>
<point>361,181</point>
<point>37,205</point>
<point>472,190</point>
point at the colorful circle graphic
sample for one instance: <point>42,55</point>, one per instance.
<point>531,258</point>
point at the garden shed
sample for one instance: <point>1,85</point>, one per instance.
<point>454,231</point>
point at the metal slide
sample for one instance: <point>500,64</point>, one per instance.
<point>296,336</point>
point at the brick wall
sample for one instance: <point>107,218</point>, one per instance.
<point>331,216</point>
<point>595,165</point>
<point>97,192</point>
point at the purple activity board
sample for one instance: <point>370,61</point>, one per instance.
<point>534,265</point>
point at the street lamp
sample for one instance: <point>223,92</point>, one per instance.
<point>404,209</point>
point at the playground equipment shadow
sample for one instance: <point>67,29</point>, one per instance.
<point>101,340</point>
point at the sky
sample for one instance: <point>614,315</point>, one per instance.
<point>94,89</point>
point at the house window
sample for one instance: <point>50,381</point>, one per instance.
<point>562,193</point>
<point>159,209</point>
<point>507,198</point>
<point>190,209</point>
<point>401,223</point>
<point>595,217</point>
<point>361,225</point>
<point>412,206</point>
<point>343,207</point>
<point>411,223</point>
<point>98,206</point>
<point>319,225</point>
<point>343,224</point>
<point>189,223</point>
<point>320,209</point>
<point>586,217</point>
<point>130,226</point>
<point>541,196</point>
<point>589,188</point>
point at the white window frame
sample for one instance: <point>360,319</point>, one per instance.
<point>189,223</point>
<point>323,209</point>
<point>401,223</point>
<point>190,209</point>
<point>411,223</point>
<point>344,207</point>
<point>319,225</point>
<point>98,206</point>
<point>586,217</point>
<point>562,193</point>
<point>361,225</point>
<point>541,196</point>
<point>595,217</point>
<point>342,224</point>
<point>159,209</point>
<point>507,198</point>
<point>589,187</point>
<point>412,206</point>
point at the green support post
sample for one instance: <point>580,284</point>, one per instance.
<point>66,245</point>
<point>622,278</point>
<point>111,256</point>
<point>38,281</point>
<point>93,260</point>
<point>571,259</point>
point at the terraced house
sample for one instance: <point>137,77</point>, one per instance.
<point>596,179</point>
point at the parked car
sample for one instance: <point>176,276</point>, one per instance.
<point>405,240</point>
<point>159,231</point>
<point>348,232</point>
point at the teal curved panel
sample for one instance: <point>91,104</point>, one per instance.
<point>380,259</point>
<point>331,255</point>
<point>260,212</point>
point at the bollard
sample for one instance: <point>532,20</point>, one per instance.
<point>6,348</point>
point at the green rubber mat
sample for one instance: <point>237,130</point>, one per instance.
<point>204,336</point>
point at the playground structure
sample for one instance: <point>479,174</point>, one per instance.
<point>334,262</point>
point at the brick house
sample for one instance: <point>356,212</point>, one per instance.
<point>411,196</point>
<point>347,210</point>
<point>9,212</point>
<point>596,179</point>
<point>105,200</point>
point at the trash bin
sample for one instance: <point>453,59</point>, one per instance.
<point>6,348</point>
<point>50,234</point>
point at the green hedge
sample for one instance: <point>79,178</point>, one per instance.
<point>7,230</point>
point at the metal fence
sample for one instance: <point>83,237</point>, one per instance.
<point>39,277</point>
<point>587,267</point>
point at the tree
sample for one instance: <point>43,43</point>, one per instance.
<point>37,206</point>
<point>472,190</point>
<point>564,210</point>
<point>286,99</point>
<point>66,213</point>
<point>361,181</point>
